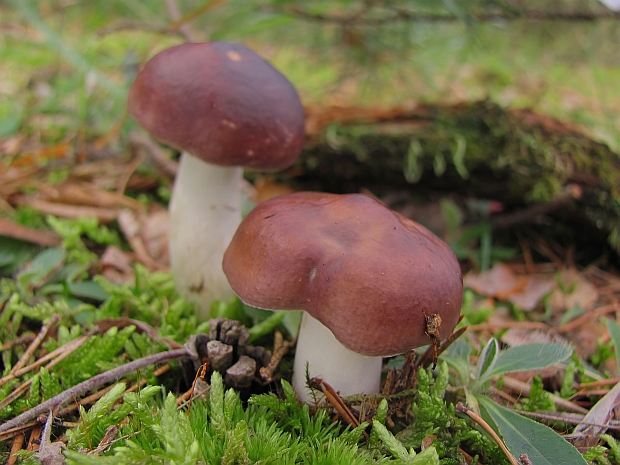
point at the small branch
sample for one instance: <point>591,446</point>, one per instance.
<point>23,339</point>
<point>521,387</point>
<point>137,26</point>
<point>460,407</point>
<point>430,353</point>
<point>139,141</point>
<point>394,15</point>
<point>280,348</point>
<point>17,231</point>
<point>531,214</point>
<point>334,398</point>
<point>92,383</point>
<point>61,351</point>
<point>175,15</point>
<point>35,344</point>
<point>570,418</point>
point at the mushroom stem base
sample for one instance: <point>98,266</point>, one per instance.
<point>347,372</point>
<point>205,211</point>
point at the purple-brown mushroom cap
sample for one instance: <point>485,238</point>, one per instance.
<point>367,273</point>
<point>221,102</point>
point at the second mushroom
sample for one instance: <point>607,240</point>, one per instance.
<point>366,276</point>
<point>225,108</point>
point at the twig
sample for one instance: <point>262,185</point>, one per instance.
<point>334,398</point>
<point>590,316</point>
<point>68,349</point>
<point>460,407</point>
<point>192,15</point>
<point>106,441</point>
<point>530,214</point>
<point>159,157</point>
<point>521,387</point>
<point>510,325</point>
<point>17,231</point>
<point>65,349</point>
<point>45,329</point>
<point>200,374</point>
<point>134,25</point>
<point>10,433</point>
<point>429,355</point>
<point>396,14</point>
<point>123,180</point>
<point>94,382</point>
<point>23,339</point>
<point>17,445</point>
<point>175,14</point>
<point>280,348</point>
<point>104,215</point>
<point>570,418</point>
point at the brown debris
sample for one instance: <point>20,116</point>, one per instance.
<point>11,229</point>
<point>280,348</point>
<point>103,215</point>
<point>130,227</point>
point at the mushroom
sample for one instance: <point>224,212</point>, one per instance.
<point>225,108</point>
<point>367,277</point>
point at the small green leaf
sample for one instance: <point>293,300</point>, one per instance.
<point>88,290</point>
<point>42,267</point>
<point>266,326</point>
<point>382,411</point>
<point>413,168</point>
<point>488,356</point>
<point>613,329</point>
<point>527,357</point>
<point>392,444</point>
<point>524,436</point>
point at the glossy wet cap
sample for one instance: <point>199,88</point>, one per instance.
<point>367,273</point>
<point>221,102</point>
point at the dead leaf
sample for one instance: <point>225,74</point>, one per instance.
<point>50,453</point>
<point>116,266</point>
<point>153,229</point>
<point>594,423</point>
<point>574,289</point>
<point>499,282</point>
<point>130,227</point>
<point>536,288</point>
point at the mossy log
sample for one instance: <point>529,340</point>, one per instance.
<point>479,149</point>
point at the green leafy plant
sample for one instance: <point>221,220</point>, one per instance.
<point>520,434</point>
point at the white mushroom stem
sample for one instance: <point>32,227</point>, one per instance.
<point>205,211</point>
<point>347,372</point>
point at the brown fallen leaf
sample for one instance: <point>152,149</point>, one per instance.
<point>536,288</point>
<point>499,282</point>
<point>131,229</point>
<point>50,453</point>
<point>116,266</point>
<point>587,435</point>
<point>574,289</point>
<point>153,229</point>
